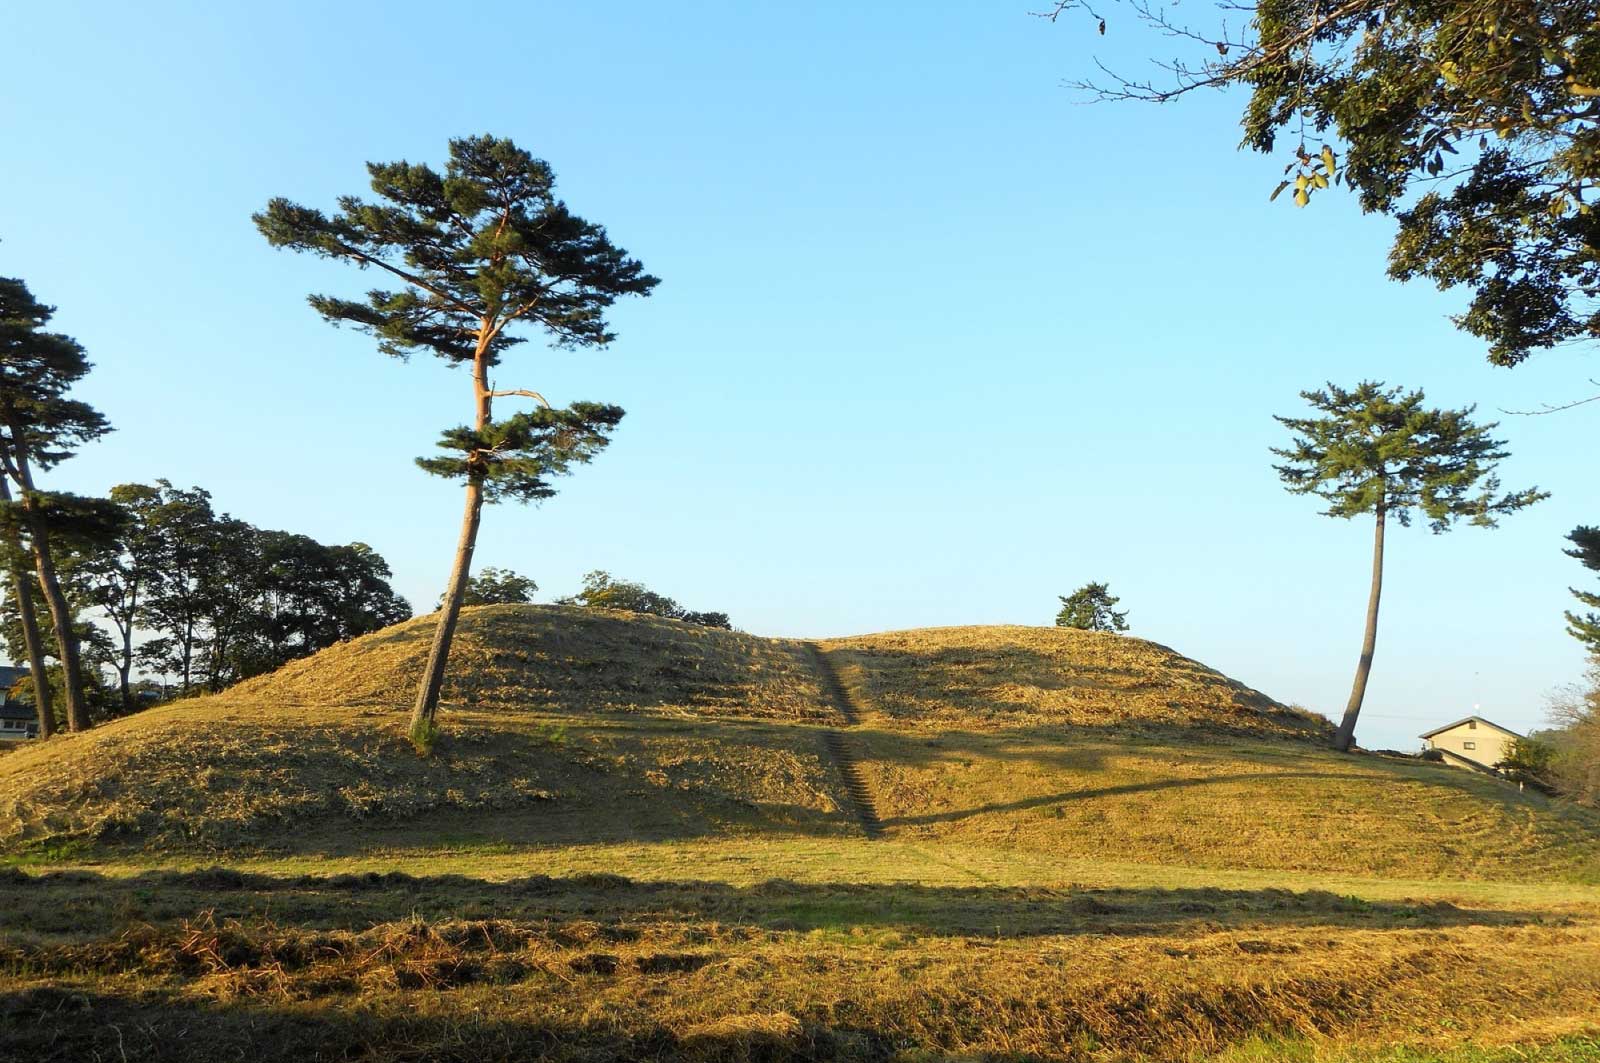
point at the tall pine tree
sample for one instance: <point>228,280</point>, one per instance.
<point>39,428</point>
<point>477,252</point>
<point>1379,450</point>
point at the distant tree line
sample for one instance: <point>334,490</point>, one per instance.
<point>501,586</point>
<point>202,599</point>
<point>602,591</point>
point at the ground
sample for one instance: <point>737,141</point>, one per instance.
<point>1092,848</point>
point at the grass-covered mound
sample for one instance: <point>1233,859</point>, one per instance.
<point>229,773</point>
<point>561,725</point>
<point>562,659</point>
<point>1007,676</point>
<point>568,727</point>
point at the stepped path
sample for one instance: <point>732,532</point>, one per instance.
<point>842,749</point>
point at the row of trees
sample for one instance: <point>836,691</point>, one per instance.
<point>201,599</point>
<point>600,590</point>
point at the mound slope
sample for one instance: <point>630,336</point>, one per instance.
<point>561,659</point>
<point>981,678</point>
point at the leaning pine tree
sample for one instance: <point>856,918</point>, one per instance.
<point>479,250</point>
<point>1379,450</point>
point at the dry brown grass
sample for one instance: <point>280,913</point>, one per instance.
<point>605,968</point>
<point>1219,802</point>
<point>227,773</point>
<point>546,658</point>
<point>986,677</point>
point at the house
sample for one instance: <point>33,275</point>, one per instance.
<point>1478,742</point>
<point>17,721</point>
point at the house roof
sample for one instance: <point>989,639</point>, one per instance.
<point>10,673</point>
<point>15,711</point>
<point>1465,719</point>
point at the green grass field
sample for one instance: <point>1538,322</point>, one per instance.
<point>633,843</point>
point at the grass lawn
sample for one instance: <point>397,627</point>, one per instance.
<point>478,949</point>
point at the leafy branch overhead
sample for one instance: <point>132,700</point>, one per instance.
<point>1475,123</point>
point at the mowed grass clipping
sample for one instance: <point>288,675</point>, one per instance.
<point>207,963</point>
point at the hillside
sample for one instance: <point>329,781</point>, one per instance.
<point>568,727</point>
<point>981,678</point>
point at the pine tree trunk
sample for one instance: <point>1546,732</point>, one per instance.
<point>60,612</point>
<point>1347,727</point>
<point>36,666</point>
<point>61,619</point>
<point>427,703</point>
<point>22,587</point>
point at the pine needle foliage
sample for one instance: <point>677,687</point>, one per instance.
<point>1092,607</point>
<point>1585,627</point>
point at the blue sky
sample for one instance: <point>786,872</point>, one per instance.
<point>934,343</point>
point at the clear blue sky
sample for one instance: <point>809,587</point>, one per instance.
<point>934,342</point>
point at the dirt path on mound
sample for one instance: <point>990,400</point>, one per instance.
<point>843,748</point>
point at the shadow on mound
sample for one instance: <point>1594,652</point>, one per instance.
<point>71,902</point>
<point>1107,680</point>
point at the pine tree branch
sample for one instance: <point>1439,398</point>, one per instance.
<point>525,393</point>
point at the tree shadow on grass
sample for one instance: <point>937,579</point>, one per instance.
<point>1169,758</point>
<point>977,683</point>
<point>1056,799</point>
<point>86,902</point>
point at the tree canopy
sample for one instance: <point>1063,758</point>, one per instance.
<point>205,599</point>
<point>601,591</point>
<point>1379,449</point>
<point>1092,607</point>
<point>498,586</point>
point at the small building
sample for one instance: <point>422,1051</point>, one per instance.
<point>17,721</point>
<point>1482,743</point>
